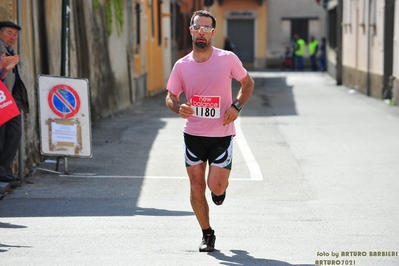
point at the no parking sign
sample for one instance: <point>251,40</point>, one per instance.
<point>64,101</point>
<point>64,113</point>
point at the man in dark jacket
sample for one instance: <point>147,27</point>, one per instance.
<point>11,131</point>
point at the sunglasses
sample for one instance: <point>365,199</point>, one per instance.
<point>206,29</point>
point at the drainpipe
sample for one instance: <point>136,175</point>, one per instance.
<point>368,82</point>
<point>64,55</point>
<point>339,42</point>
<point>21,165</point>
<point>65,38</point>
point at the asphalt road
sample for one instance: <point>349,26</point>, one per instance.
<point>314,181</point>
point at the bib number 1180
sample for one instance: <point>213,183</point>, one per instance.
<point>206,106</point>
<point>205,112</point>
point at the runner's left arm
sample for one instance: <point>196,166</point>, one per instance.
<point>247,86</point>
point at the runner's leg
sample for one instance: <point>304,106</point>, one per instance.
<point>198,201</point>
<point>218,179</point>
<point>220,166</point>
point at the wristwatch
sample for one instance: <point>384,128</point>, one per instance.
<point>236,104</point>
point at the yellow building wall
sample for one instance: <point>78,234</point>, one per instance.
<point>154,51</point>
<point>148,55</point>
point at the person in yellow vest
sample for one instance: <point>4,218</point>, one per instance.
<point>300,46</point>
<point>313,47</point>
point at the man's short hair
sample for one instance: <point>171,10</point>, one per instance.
<point>203,13</point>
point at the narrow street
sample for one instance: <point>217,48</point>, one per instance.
<point>315,178</point>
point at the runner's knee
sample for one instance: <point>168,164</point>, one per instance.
<point>217,187</point>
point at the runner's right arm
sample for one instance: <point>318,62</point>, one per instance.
<point>184,110</point>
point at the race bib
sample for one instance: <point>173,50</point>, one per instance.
<point>206,106</point>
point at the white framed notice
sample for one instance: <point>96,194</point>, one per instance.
<point>64,116</point>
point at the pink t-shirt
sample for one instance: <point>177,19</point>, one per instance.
<point>207,86</point>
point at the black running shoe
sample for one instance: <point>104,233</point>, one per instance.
<point>208,243</point>
<point>218,200</point>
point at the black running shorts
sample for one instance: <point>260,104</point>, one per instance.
<point>218,151</point>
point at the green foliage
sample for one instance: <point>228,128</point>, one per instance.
<point>108,16</point>
<point>117,7</point>
<point>118,11</point>
<point>96,4</point>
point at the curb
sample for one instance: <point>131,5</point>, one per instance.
<point>5,188</point>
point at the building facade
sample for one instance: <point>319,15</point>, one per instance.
<point>286,18</point>
<point>363,46</point>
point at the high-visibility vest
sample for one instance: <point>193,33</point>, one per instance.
<point>300,51</point>
<point>312,46</point>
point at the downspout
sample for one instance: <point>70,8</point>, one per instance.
<point>368,81</point>
<point>65,54</point>
<point>21,164</point>
<point>356,81</point>
<point>339,42</point>
<point>327,33</point>
<point>130,51</point>
<point>65,38</point>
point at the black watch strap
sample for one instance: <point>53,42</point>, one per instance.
<point>237,105</point>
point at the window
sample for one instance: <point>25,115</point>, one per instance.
<point>332,36</point>
<point>159,22</point>
<point>300,26</point>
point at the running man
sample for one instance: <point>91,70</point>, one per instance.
<point>205,76</point>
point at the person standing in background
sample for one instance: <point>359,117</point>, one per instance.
<point>300,46</point>
<point>313,47</point>
<point>228,44</point>
<point>288,59</point>
<point>11,131</point>
<point>323,55</point>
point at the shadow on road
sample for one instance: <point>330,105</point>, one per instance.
<point>242,257</point>
<point>11,226</point>
<point>3,248</point>
<point>52,196</point>
<point>272,96</point>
